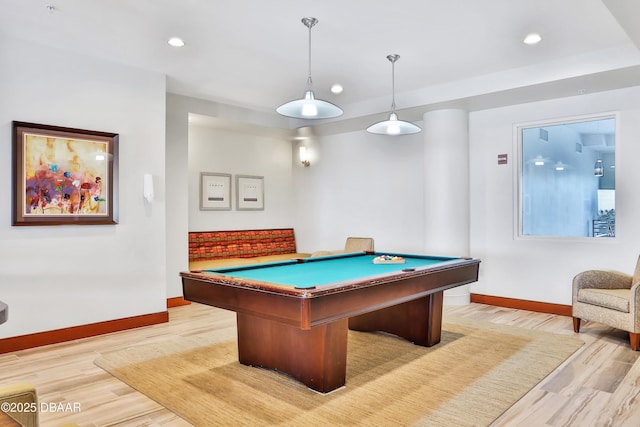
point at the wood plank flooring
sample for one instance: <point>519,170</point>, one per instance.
<point>598,386</point>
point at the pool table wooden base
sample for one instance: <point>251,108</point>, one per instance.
<point>317,357</point>
<point>418,321</point>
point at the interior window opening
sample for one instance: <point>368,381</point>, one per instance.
<point>567,178</point>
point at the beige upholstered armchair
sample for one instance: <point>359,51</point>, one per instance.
<point>19,395</point>
<point>610,298</point>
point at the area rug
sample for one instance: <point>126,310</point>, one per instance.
<point>477,372</point>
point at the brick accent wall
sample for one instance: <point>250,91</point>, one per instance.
<point>208,245</point>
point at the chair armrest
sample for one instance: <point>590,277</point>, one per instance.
<point>634,305</point>
<point>4,312</point>
<point>600,279</point>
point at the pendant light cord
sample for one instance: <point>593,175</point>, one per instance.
<point>393,59</point>
<point>393,86</point>
<point>309,23</point>
<point>309,83</point>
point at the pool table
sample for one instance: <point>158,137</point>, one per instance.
<point>294,316</point>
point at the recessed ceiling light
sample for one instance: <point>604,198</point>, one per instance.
<point>532,38</point>
<point>176,42</point>
<point>336,88</point>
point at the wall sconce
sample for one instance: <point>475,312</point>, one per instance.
<point>304,159</point>
<point>598,169</point>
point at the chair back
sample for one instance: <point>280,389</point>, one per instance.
<point>636,273</point>
<point>358,244</point>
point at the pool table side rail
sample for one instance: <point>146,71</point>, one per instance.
<point>231,269</point>
<point>397,289</point>
<point>306,308</point>
<point>219,277</point>
<point>281,308</point>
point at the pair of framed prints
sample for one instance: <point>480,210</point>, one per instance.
<point>215,192</point>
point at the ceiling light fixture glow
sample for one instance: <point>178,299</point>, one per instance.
<point>309,107</point>
<point>532,38</point>
<point>337,88</point>
<point>393,126</point>
<point>176,42</point>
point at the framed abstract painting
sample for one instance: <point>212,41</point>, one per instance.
<point>64,176</point>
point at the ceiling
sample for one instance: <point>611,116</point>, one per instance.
<point>253,54</point>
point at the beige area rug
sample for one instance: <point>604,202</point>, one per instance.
<point>476,373</point>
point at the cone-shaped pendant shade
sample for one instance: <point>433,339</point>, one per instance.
<point>309,108</point>
<point>393,126</point>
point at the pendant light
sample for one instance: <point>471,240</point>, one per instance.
<point>309,107</point>
<point>598,169</point>
<point>393,126</point>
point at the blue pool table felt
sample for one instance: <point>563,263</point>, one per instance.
<point>326,270</point>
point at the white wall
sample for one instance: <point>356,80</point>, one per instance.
<point>358,185</point>
<point>178,174</point>
<point>367,185</point>
<point>542,269</point>
<point>361,185</point>
<point>240,153</point>
<point>177,163</point>
<point>61,276</point>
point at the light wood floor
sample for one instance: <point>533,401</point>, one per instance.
<point>598,386</point>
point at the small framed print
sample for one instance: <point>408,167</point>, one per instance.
<point>250,193</point>
<point>215,191</point>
